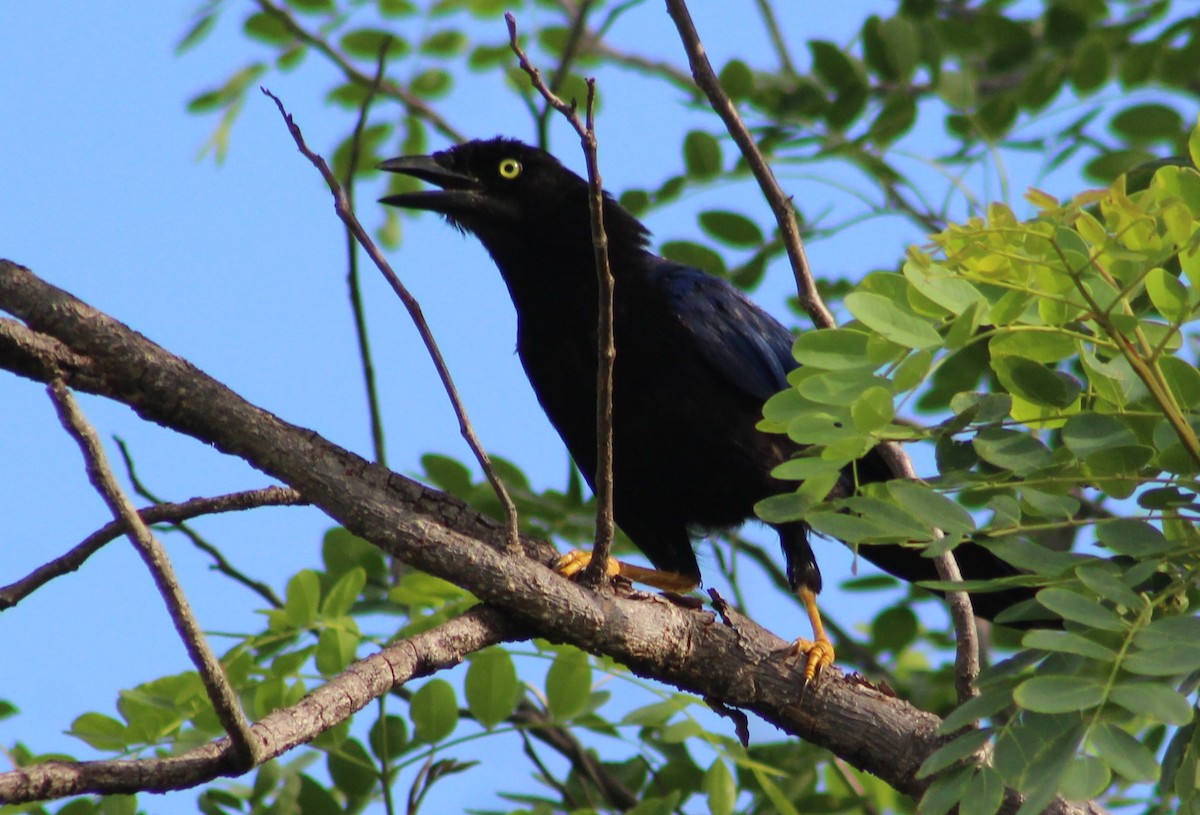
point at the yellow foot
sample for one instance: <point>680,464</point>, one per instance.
<point>818,656</point>
<point>575,561</point>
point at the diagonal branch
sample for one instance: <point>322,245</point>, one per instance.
<point>344,211</point>
<point>740,664</point>
<point>278,731</point>
<point>15,592</point>
<point>967,649</point>
<point>220,693</point>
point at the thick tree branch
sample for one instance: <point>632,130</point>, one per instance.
<point>741,665</point>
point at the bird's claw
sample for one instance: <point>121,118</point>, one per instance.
<point>575,561</point>
<point>818,655</point>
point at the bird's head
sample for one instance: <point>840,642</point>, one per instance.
<point>504,190</point>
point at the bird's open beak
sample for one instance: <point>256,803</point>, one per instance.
<point>459,191</point>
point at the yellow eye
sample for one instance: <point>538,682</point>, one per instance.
<point>510,168</point>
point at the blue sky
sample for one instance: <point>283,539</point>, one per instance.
<point>240,268</point>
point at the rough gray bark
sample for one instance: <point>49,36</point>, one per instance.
<point>731,661</point>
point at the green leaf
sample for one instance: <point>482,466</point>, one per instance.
<point>1183,379</point>
<point>1124,754</point>
<point>1117,461</point>
<point>1170,632</point>
<point>1194,146</point>
<point>694,254</point>
<point>447,474</point>
<point>99,731</point>
<point>954,751</point>
<point>341,596</point>
<point>802,469</point>
<point>840,388</point>
<point>835,67</point>
<point>1103,577</point>
<point>1059,694</point>
<point>833,349</point>
<point>720,789</point>
<point>897,324</point>
<point>568,684</point>
<point>894,629</point>
<point>984,793</point>
<point>731,228</point>
<point>1086,778</point>
<point>303,599</point>
<point>737,79</point>
<point>1155,700</point>
<point>431,83</point>
<point>492,687</point>
<point>434,711</point>
<point>313,798</point>
<point>1168,295</point>
<point>945,791</point>
<point>1129,536</point>
<point>268,28</point>
<point>873,409</point>
<point>352,770</point>
<point>939,284</point>
<point>931,507</point>
<point>367,43</point>
<point>701,154</point>
<point>1148,122</point>
<point>1071,605</point>
<point>196,33</point>
<point>849,528</point>
<point>1034,382</point>
<point>1091,65</point>
<point>1163,661</point>
<point>444,43</point>
<point>984,706</point>
<point>894,119</point>
<point>1085,433</point>
<point>1011,450</point>
<point>337,647</point>
<point>1040,346</point>
<point>1067,642</point>
<point>388,737</point>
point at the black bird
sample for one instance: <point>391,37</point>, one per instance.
<point>696,360</point>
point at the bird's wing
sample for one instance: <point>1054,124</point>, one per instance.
<point>743,343</point>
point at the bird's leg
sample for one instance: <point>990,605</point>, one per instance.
<point>819,651</point>
<point>575,561</point>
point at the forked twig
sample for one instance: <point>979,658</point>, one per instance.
<point>342,207</point>
<point>606,349</point>
<point>71,560</point>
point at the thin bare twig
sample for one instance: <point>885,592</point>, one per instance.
<point>606,349</point>
<point>352,281</point>
<point>412,103</point>
<point>342,207</point>
<point>780,203</point>
<point>576,33</point>
<point>15,592</point>
<point>220,693</point>
<point>777,42</point>
<point>967,654</point>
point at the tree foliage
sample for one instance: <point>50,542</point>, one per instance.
<point>1041,354</point>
